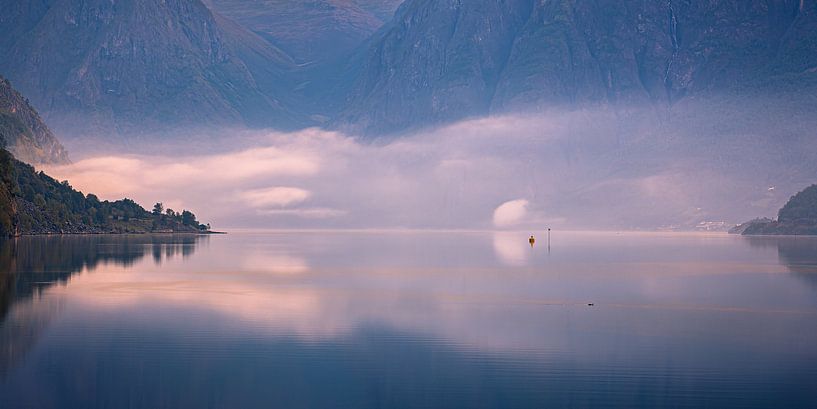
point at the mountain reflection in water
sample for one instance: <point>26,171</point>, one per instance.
<point>409,320</point>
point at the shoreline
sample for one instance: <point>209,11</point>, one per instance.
<point>207,233</point>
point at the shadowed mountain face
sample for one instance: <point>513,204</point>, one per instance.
<point>146,65</point>
<point>24,133</point>
<point>438,61</point>
<point>382,9</point>
<point>307,30</point>
<point>140,65</point>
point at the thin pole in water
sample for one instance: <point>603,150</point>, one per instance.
<point>548,238</point>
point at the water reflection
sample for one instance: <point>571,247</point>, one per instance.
<point>508,250</point>
<point>798,254</point>
<point>30,265</point>
<point>422,320</point>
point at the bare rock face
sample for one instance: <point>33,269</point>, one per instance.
<point>24,133</point>
<point>117,66</point>
<point>310,30</point>
<point>382,9</point>
<point>442,60</point>
<point>436,60</point>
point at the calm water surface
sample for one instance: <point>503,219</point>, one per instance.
<point>414,320</point>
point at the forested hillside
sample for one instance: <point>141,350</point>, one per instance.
<point>797,217</point>
<point>32,202</point>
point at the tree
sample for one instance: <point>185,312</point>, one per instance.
<point>188,218</point>
<point>158,209</point>
<point>170,213</point>
<point>39,200</point>
<point>801,208</point>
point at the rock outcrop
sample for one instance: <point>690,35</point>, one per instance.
<point>23,131</point>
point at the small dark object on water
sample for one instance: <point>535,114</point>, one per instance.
<point>590,304</point>
<point>532,241</point>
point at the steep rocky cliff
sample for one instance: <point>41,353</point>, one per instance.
<point>23,131</point>
<point>441,60</point>
<point>104,66</point>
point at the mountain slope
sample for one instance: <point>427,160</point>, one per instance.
<point>23,131</point>
<point>648,52</point>
<point>437,60</point>
<point>141,65</point>
<point>443,60</point>
<point>307,30</point>
<point>382,9</point>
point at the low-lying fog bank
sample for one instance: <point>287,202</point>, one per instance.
<point>633,169</point>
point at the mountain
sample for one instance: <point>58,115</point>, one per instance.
<point>443,60</point>
<point>382,9</point>
<point>102,66</point>
<point>797,217</point>
<point>144,66</point>
<point>23,132</point>
<point>308,30</point>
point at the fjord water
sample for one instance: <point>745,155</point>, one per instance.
<point>408,319</point>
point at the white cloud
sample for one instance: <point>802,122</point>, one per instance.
<point>510,213</point>
<point>307,213</point>
<point>274,196</point>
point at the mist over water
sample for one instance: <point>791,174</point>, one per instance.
<point>641,168</point>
